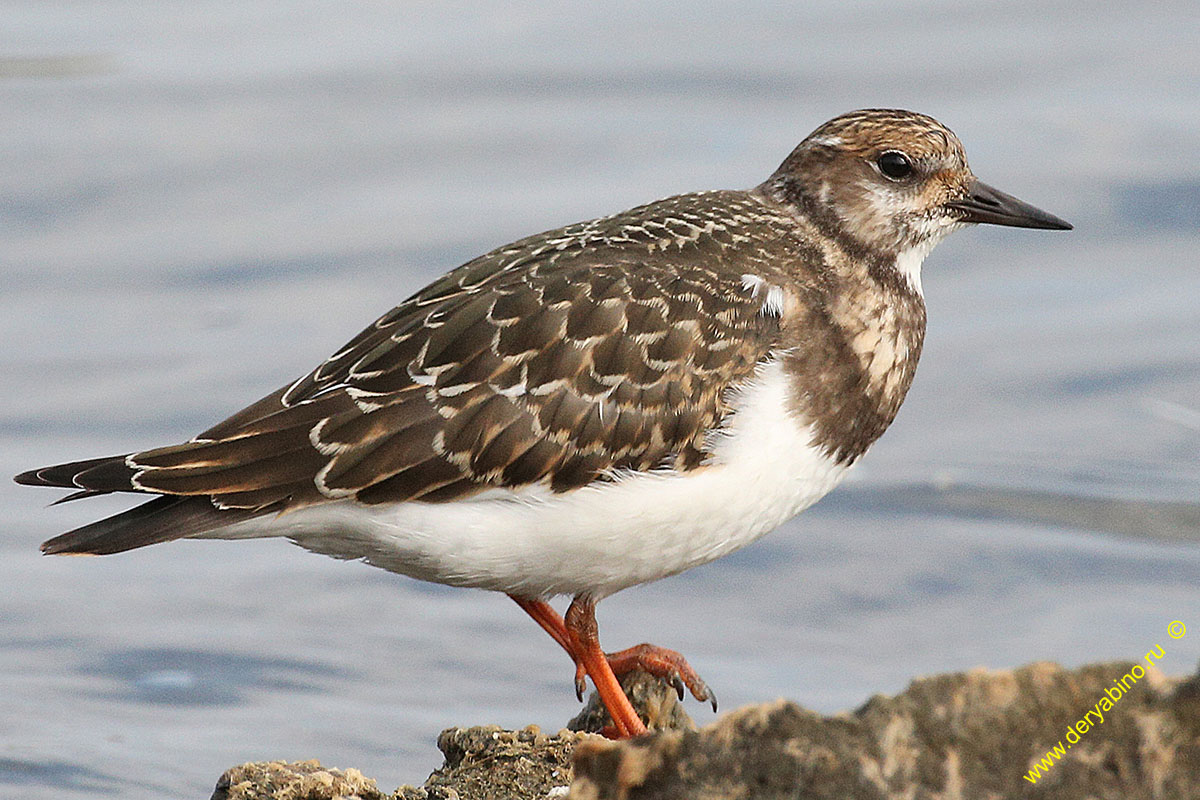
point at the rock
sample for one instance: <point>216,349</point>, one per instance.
<point>975,734</point>
<point>489,763</point>
<point>297,780</point>
<point>979,734</point>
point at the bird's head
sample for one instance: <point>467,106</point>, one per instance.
<point>892,181</point>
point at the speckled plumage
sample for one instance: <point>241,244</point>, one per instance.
<point>594,350</point>
<point>597,350</point>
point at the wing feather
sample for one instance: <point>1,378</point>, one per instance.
<point>560,359</point>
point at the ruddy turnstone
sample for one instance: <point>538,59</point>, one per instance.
<point>596,406</point>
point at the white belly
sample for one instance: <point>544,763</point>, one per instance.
<point>597,539</point>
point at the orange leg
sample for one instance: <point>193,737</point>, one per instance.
<point>580,623</point>
<point>544,614</point>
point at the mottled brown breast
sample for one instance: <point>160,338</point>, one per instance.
<point>852,359</point>
<point>851,336</point>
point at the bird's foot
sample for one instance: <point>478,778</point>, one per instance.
<point>667,665</point>
<point>662,663</point>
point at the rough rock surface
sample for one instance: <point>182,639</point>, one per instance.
<point>488,762</point>
<point>296,780</point>
<point>967,735</point>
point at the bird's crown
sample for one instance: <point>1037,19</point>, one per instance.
<point>876,130</point>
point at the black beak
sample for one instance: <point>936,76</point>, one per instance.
<point>985,204</point>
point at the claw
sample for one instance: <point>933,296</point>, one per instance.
<point>677,682</point>
<point>580,682</point>
<point>702,693</point>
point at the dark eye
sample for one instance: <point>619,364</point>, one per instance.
<point>895,165</point>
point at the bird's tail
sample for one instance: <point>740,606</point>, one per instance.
<point>159,520</point>
<point>162,519</point>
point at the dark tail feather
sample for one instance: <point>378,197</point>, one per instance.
<point>82,493</point>
<point>160,520</point>
<point>108,474</point>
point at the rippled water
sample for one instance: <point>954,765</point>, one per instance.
<point>199,201</point>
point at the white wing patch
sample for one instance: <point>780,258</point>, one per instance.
<point>772,296</point>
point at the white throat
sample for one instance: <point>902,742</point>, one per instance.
<point>908,263</point>
<point>909,260</point>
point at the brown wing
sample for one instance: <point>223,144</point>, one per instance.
<point>604,346</point>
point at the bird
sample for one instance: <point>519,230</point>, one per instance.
<point>598,406</point>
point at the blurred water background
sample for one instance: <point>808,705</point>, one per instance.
<point>199,201</point>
